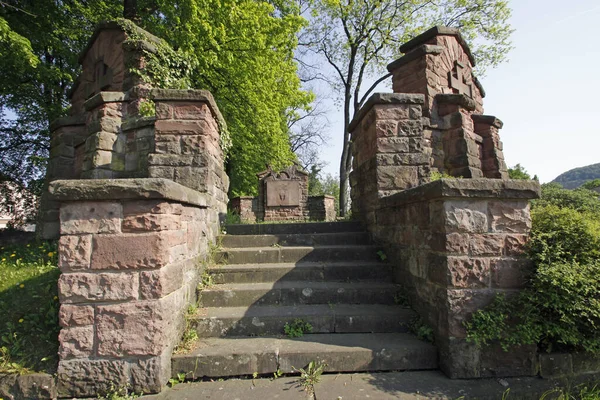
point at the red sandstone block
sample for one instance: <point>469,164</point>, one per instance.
<point>468,272</point>
<point>74,252</point>
<point>466,216</point>
<point>134,251</point>
<point>87,287</point>
<point>486,244</point>
<point>185,127</point>
<point>164,110</point>
<point>514,244</point>
<point>392,112</point>
<point>189,110</point>
<point>151,222</point>
<point>151,206</point>
<point>76,342</point>
<point>75,315</point>
<point>141,328</point>
<point>159,283</point>
<point>386,129</point>
<point>90,217</point>
<point>510,216</point>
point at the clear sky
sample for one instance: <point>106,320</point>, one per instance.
<point>547,94</point>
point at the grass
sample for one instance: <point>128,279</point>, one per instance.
<point>29,308</point>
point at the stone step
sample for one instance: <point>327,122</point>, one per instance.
<point>334,318</point>
<point>293,228</point>
<point>293,239</point>
<point>298,292</point>
<point>252,255</point>
<point>350,352</point>
<point>303,271</point>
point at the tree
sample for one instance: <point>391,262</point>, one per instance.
<point>356,38</point>
<point>519,172</point>
<point>240,50</point>
<point>39,45</point>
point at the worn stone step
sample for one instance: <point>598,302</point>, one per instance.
<point>298,292</point>
<point>252,255</point>
<point>271,320</point>
<point>295,239</point>
<point>304,271</point>
<point>295,227</point>
<point>237,356</point>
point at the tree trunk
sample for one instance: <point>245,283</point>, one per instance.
<point>345,162</point>
<point>130,10</point>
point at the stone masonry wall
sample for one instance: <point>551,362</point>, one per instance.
<point>129,253</point>
<point>456,245</point>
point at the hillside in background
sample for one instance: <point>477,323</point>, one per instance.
<point>578,176</point>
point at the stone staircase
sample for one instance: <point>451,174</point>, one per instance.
<point>326,274</point>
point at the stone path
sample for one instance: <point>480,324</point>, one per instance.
<point>380,386</point>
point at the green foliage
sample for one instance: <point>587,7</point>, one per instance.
<point>297,328</point>
<point>519,172</point>
<point>147,108</point>
<point>180,379</point>
<point>581,199</point>
<point>39,46</point>
<point>578,176</point>
<point>310,376</point>
<point>242,51</point>
<point>381,255</point>
<point>190,336</point>
<point>421,329</point>
<point>591,185</point>
<point>232,217</point>
<point>319,185</point>
<point>436,176</point>
<point>118,393</point>
<point>29,308</point>
<point>560,308</point>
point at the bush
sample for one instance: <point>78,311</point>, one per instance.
<point>560,308</point>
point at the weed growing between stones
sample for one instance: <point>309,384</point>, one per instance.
<point>436,176</point>
<point>310,376</point>
<point>147,108</point>
<point>421,329</point>
<point>118,394</point>
<point>180,379</point>
<point>381,255</point>
<point>28,308</point>
<point>297,328</point>
<point>190,336</point>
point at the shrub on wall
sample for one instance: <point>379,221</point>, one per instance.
<point>560,307</point>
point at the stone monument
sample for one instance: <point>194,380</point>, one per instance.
<point>456,243</point>
<point>283,196</point>
<point>136,201</point>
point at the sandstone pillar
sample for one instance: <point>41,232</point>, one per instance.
<point>389,150</point>
<point>458,243</point>
<point>129,253</point>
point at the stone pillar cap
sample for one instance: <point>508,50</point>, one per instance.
<point>385,98</point>
<point>438,31</point>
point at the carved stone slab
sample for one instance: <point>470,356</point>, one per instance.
<point>283,193</point>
